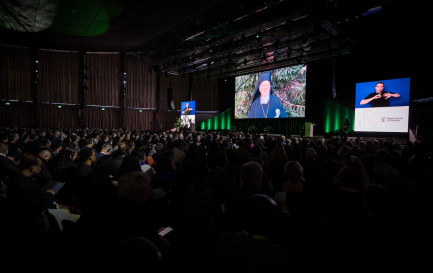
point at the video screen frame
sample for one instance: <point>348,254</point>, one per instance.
<point>288,85</point>
<point>187,113</point>
<point>382,106</point>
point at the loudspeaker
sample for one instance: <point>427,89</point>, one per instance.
<point>170,100</point>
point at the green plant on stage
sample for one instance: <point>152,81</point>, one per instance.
<point>182,123</point>
<point>178,123</point>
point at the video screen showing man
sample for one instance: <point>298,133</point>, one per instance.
<point>386,109</point>
<point>380,98</point>
<point>187,113</point>
<point>265,104</point>
<point>187,109</point>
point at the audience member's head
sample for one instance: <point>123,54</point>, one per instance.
<point>86,155</point>
<point>137,252</point>
<point>4,148</point>
<point>135,187</point>
<point>31,164</point>
<point>351,178</point>
<point>294,172</point>
<point>310,154</point>
<point>159,148</point>
<point>45,154</point>
<point>129,163</point>
<point>259,214</point>
<point>344,152</point>
<point>251,173</point>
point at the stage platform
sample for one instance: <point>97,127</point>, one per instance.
<point>400,140</point>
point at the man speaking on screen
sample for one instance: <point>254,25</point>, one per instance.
<point>265,105</point>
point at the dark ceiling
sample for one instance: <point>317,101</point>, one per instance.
<point>208,38</point>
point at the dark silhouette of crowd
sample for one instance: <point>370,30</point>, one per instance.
<point>234,201</point>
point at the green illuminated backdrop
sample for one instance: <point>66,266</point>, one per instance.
<point>335,115</point>
<point>219,122</point>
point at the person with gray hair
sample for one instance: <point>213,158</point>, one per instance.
<point>106,149</point>
<point>159,148</point>
<point>251,173</point>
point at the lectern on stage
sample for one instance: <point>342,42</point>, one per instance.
<point>309,127</point>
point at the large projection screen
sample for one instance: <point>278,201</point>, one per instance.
<point>187,113</point>
<point>284,96</point>
<point>382,106</point>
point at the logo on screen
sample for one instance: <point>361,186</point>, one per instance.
<point>383,119</point>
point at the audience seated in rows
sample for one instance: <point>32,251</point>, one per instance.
<point>345,201</point>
